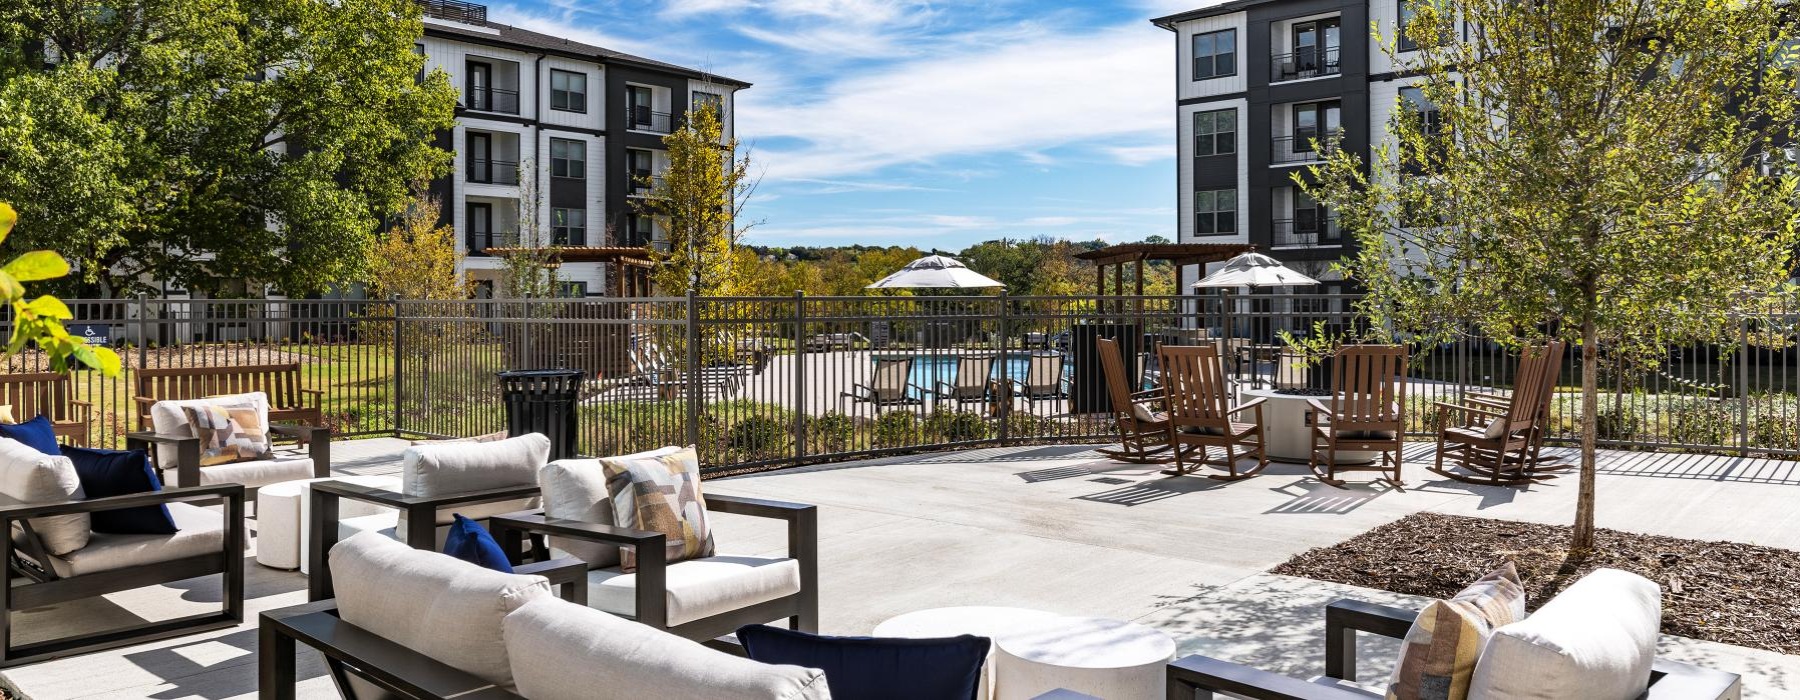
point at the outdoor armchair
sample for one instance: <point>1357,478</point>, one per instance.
<point>1200,415</point>
<point>1199,676</point>
<point>1366,413</point>
<point>178,455</point>
<point>1495,439</point>
<point>208,543</point>
<point>698,599</point>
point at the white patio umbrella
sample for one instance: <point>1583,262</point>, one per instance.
<point>1253,270</point>
<point>935,272</point>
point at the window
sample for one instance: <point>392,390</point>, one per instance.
<point>480,85</point>
<point>568,91</point>
<point>1430,120</point>
<point>568,158</point>
<point>574,290</point>
<point>714,102</point>
<point>639,232</point>
<point>637,107</point>
<point>1215,212</point>
<point>1215,54</point>
<point>1405,11</point>
<point>568,226</point>
<point>1215,132</point>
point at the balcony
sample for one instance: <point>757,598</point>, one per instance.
<point>1300,148</point>
<point>493,172</point>
<point>480,241</point>
<point>497,100</point>
<point>643,183</point>
<point>1311,233</point>
<point>1314,62</point>
<point>640,118</point>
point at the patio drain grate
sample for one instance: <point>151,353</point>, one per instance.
<point>1110,480</point>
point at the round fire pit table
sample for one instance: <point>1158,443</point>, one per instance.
<point>1288,426</point>
<point>1097,656</point>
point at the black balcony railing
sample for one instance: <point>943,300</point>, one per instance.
<point>1304,147</point>
<point>480,241</point>
<point>493,172</point>
<point>643,183</point>
<point>1307,232</point>
<point>1313,62</point>
<point>640,118</point>
<point>493,100</point>
<point>465,12</point>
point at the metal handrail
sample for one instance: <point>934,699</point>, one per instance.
<point>493,172</point>
<point>493,99</point>
<point>640,118</point>
<point>1300,148</point>
<point>1315,62</point>
<point>1323,232</point>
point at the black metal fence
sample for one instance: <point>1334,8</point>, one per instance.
<point>757,382</point>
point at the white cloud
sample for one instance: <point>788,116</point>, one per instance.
<point>1110,86</point>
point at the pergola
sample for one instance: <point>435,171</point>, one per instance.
<point>1136,254</point>
<point>630,266</point>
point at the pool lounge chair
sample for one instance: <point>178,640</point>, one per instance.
<point>891,385</point>
<point>974,381</point>
<point>1044,380</point>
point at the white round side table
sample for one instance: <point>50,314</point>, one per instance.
<point>1098,656</point>
<point>988,621</point>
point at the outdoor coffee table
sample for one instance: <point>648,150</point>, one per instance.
<point>1037,652</point>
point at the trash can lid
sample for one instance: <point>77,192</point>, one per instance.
<point>539,373</point>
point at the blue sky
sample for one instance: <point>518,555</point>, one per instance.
<point>932,124</point>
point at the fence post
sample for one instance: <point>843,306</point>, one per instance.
<point>1005,397</point>
<point>399,365</point>
<point>1743,386</point>
<point>693,368</point>
<point>143,332</point>
<point>799,370</point>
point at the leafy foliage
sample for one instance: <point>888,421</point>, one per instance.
<point>698,203</point>
<point>40,321</point>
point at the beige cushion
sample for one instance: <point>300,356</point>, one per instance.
<point>200,531</point>
<point>449,468</point>
<point>6,415</point>
<point>1445,640</point>
<point>1143,413</point>
<point>1595,641</point>
<point>660,494</point>
<point>489,437</point>
<point>28,476</point>
<point>252,474</point>
<point>562,651</point>
<point>169,418</point>
<point>575,489</point>
<point>437,605</point>
<point>701,588</point>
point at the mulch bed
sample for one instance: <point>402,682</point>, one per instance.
<point>1727,592</point>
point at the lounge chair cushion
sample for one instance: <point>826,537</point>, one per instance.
<point>252,474</point>
<point>701,588</point>
<point>1143,413</point>
<point>170,418</point>
<point>198,531</point>
<point>868,667</point>
<point>1441,649</point>
<point>562,651</point>
<point>575,489</point>
<point>28,476</point>
<point>450,468</point>
<point>660,494</point>
<point>437,605</point>
<point>1596,640</point>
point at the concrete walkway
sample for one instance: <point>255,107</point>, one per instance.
<point>1057,528</point>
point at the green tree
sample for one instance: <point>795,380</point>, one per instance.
<point>201,142</point>
<point>40,321</point>
<point>1594,170</point>
<point>698,202</point>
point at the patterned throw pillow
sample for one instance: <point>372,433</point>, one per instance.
<point>6,416</point>
<point>660,494</point>
<point>1438,657</point>
<point>228,432</point>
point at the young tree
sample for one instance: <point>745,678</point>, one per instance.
<point>698,203</point>
<point>418,258</point>
<point>268,138</point>
<point>40,321</point>
<point>1606,171</point>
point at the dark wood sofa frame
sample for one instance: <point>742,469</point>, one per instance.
<point>421,520</point>
<point>287,401</point>
<point>187,449</point>
<point>801,609</point>
<point>1199,677</point>
<point>43,586</point>
<point>32,394</point>
<point>349,649</point>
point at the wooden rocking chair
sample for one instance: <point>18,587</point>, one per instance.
<point>1143,431</point>
<point>1553,364</point>
<point>1198,398</point>
<point>1497,443</point>
<point>1367,413</point>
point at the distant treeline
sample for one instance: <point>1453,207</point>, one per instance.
<point>1041,266</point>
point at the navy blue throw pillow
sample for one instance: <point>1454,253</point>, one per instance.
<point>472,543</point>
<point>119,473</point>
<point>871,668</point>
<point>35,433</point>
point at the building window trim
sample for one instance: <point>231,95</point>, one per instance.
<point>1214,58</point>
<point>1215,141</point>
<point>568,98</point>
<point>568,226</point>
<point>1212,220</point>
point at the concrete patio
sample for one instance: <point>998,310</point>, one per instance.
<point>1055,527</point>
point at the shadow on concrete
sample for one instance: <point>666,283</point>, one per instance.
<point>1309,496</point>
<point>1151,491</point>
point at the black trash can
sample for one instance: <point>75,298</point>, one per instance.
<point>543,401</point>
<point>1088,391</point>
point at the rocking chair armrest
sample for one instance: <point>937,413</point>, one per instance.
<point>83,410</point>
<point>1255,403</point>
<point>1156,393</point>
<point>1480,410</point>
<point>1489,398</point>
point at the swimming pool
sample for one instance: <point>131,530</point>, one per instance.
<point>928,370</point>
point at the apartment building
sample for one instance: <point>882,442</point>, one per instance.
<point>1265,88</point>
<point>559,134</point>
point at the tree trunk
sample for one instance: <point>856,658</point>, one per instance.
<point>1583,539</point>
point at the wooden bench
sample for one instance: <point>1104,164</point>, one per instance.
<point>34,394</point>
<point>287,401</point>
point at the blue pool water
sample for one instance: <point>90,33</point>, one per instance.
<point>928,370</point>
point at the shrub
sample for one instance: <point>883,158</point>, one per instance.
<point>1775,431</point>
<point>957,426</point>
<point>760,437</point>
<point>1622,423</point>
<point>1700,422</point>
<point>1025,426</point>
<point>897,429</point>
<point>829,433</point>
